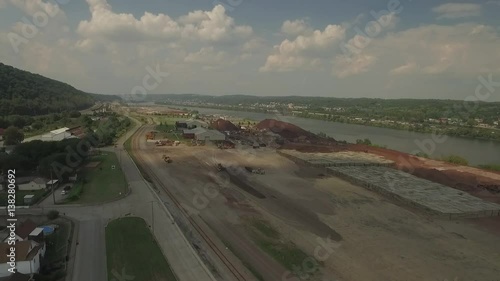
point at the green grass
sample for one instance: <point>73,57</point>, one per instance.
<point>455,159</point>
<point>491,167</point>
<point>255,273</point>
<point>265,229</point>
<point>268,239</point>
<point>100,184</point>
<point>131,248</point>
<point>285,253</point>
<point>20,196</point>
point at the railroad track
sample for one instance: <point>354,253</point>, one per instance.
<point>220,253</point>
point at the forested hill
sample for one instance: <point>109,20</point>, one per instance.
<point>25,93</point>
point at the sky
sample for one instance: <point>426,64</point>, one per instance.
<point>333,48</point>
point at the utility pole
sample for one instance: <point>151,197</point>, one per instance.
<point>52,186</point>
<point>152,217</point>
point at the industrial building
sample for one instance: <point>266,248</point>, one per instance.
<point>202,134</point>
<point>191,124</point>
<point>54,135</point>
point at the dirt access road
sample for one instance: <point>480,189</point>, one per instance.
<point>376,239</point>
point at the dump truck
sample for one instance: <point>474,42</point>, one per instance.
<point>255,170</point>
<point>166,158</point>
<point>220,167</point>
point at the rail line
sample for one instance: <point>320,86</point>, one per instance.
<point>196,226</point>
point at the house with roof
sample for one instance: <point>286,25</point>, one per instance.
<point>23,231</point>
<point>202,134</point>
<point>57,135</point>
<point>31,183</point>
<point>28,256</point>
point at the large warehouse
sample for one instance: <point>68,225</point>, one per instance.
<point>202,134</point>
<point>210,135</point>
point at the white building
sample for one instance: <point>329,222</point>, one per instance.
<point>54,135</point>
<point>209,135</point>
<point>27,256</point>
<point>32,184</point>
<point>57,135</point>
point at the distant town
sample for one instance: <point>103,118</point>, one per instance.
<point>444,117</point>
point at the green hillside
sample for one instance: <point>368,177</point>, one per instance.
<point>25,93</point>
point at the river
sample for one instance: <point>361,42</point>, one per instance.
<point>475,151</point>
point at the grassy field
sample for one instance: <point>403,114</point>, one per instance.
<point>101,183</point>
<point>269,240</point>
<point>20,196</point>
<point>130,248</point>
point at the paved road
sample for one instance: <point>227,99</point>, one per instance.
<point>90,255</point>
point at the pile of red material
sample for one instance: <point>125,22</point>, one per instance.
<point>224,125</point>
<point>286,130</point>
<point>477,182</point>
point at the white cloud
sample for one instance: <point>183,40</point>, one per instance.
<point>296,27</point>
<point>344,67</point>
<point>207,57</point>
<point>404,69</point>
<point>305,50</point>
<point>210,26</point>
<point>457,10</point>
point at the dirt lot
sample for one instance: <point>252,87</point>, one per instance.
<point>371,237</point>
<point>480,183</point>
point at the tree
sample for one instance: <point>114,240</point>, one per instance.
<point>53,214</point>
<point>37,125</point>
<point>75,114</point>
<point>12,136</point>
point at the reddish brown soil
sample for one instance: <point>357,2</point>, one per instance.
<point>286,130</point>
<point>480,183</point>
<point>477,182</point>
<point>224,125</point>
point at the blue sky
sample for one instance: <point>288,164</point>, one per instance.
<point>417,49</point>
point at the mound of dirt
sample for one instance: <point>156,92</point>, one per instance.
<point>224,125</point>
<point>485,185</point>
<point>286,130</point>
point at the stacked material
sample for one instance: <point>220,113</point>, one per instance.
<point>433,197</point>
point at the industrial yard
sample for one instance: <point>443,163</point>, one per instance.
<point>304,199</point>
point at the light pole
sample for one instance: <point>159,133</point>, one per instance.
<point>152,217</point>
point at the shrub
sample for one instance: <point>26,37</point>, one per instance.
<point>455,159</point>
<point>421,154</point>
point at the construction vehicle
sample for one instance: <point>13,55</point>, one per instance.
<point>220,167</point>
<point>166,158</point>
<point>255,170</point>
<point>151,135</point>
